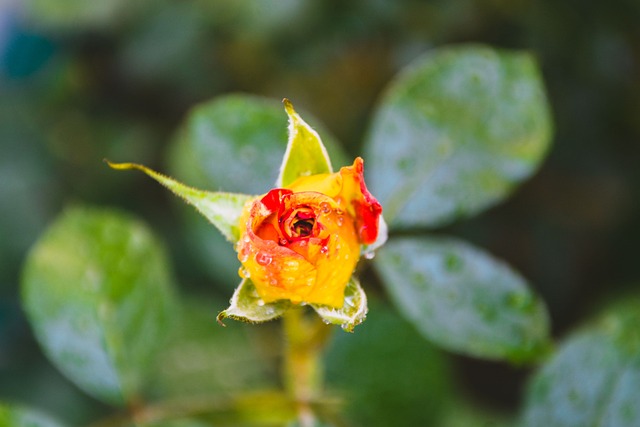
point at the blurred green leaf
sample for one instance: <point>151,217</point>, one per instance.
<point>247,306</point>
<point>462,299</point>
<point>305,154</point>
<point>97,291</point>
<point>18,416</point>
<point>454,132</point>
<point>593,378</point>
<point>222,209</point>
<point>201,358</point>
<point>388,375</point>
<point>352,313</point>
<point>233,143</point>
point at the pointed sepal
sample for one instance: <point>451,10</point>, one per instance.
<point>306,154</point>
<point>221,209</point>
<point>352,313</point>
<point>247,306</point>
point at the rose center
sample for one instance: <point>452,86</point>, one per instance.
<point>299,223</point>
<point>303,227</point>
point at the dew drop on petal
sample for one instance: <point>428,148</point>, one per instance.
<point>244,273</point>
<point>292,264</point>
<point>324,250</point>
<point>263,258</point>
<point>325,208</point>
<point>340,221</point>
<point>369,254</point>
<point>283,242</point>
<point>260,302</point>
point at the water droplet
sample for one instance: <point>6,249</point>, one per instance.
<point>263,258</point>
<point>260,302</point>
<point>369,254</point>
<point>244,273</point>
<point>283,242</point>
<point>246,238</point>
<point>302,243</point>
<point>324,250</point>
<point>273,282</point>
<point>325,208</point>
<point>326,322</point>
<point>292,264</point>
<point>340,221</point>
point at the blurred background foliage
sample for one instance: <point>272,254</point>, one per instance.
<point>81,81</point>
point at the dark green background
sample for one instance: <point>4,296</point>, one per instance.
<point>118,85</point>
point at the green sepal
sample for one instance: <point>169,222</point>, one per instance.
<point>221,209</point>
<point>306,154</point>
<point>247,306</point>
<point>352,313</point>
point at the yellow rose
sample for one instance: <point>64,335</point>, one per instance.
<point>302,242</point>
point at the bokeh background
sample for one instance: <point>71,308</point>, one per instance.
<point>81,81</point>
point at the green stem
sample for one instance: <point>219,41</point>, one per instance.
<point>305,337</point>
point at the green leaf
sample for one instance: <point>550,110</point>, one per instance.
<point>455,132</point>
<point>19,416</point>
<point>352,313</point>
<point>305,155</point>
<point>592,381</point>
<point>98,294</point>
<point>387,374</point>
<point>463,299</point>
<point>247,306</point>
<point>222,209</point>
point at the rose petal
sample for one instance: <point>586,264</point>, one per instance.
<point>312,270</point>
